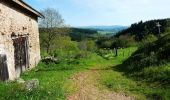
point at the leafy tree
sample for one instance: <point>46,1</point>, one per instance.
<point>51,27</point>
<point>64,47</point>
<point>91,45</point>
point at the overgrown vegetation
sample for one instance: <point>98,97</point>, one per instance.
<point>151,62</point>
<point>154,53</point>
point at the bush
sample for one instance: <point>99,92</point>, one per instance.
<point>44,54</point>
<point>91,45</point>
<point>159,74</point>
<point>106,53</point>
<point>148,40</point>
<point>81,54</point>
<point>43,66</point>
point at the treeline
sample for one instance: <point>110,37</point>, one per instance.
<point>137,34</point>
<point>78,34</point>
<point>142,29</point>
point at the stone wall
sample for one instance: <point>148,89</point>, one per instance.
<point>14,21</point>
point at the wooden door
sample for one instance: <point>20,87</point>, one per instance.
<point>20,54</point>
<point>3,68</point>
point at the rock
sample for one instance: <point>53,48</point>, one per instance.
<point>48,60</point>
<point>31,84</point>
<point>20,80</point>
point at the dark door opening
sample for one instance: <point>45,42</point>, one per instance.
<point>20,54</point>
<point>3,68</point>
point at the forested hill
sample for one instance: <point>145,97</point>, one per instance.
<point>81,30</point>
<point>141,29</point>
<point>106,29</point>
<point>79,34</point>
<point>76,34</point>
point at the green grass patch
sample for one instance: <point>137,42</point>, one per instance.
<point>51,83</point>
<point>116,79</point>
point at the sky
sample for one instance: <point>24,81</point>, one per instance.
<point>105,12</point>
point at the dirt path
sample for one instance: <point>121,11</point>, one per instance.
<point>88,89</point>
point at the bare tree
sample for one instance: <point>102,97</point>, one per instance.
<point>51,27</point>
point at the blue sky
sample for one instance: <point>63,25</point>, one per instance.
<point>105,12</point>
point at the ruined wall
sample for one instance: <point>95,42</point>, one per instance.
<point>13,21</point>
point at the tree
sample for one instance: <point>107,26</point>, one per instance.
<point>51,27</point>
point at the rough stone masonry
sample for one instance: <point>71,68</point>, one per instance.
<point>19,38</point>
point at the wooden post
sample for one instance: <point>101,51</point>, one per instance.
<point>116,52</point>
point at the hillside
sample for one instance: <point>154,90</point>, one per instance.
<point>106,29</point>
<point>151,61</point>
<point>141,29</point>
<point>78,34</point>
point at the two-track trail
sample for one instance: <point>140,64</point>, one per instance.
<point>88,89</point>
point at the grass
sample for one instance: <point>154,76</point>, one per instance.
<point>54,80</point>
<point>55,83</point>
<point>51,83</point>
<point>150,54</point>
<point>117,80</point>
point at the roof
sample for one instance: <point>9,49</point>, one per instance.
<point>27,7</point>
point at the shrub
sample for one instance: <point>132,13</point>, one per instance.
<point>159,74</point>
<point>81,54</point>
<point>91,45</point>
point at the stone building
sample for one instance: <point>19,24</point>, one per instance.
<point>19,38</point>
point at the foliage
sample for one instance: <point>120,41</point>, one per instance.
<point>91,45</point>
<point>52,26</point>
<point>150,54</point>
<point>149,39</point>
<point>150,63</point>
<point>142,29</point>
<point>113,42</point>
<point>110,53</point>
<point>87,45</point>
<point>160,75</point>
<point>78,34</point>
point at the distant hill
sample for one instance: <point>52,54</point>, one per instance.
<point>141,29</point>
<point>91,32</point>
<point>106,29</point>
<point>79,34</point>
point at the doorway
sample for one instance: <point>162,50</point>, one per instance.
<point>20,54</point>
<point>3,68</point>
